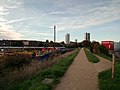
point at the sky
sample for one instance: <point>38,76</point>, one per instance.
<point>35,19</point>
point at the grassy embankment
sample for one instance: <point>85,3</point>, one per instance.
<point>90,56</point>
<point>109,57</point>
<point>55,72</point>
<point>105,80</point>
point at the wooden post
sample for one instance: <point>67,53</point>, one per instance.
<point>113,65</point>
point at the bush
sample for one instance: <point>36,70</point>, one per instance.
<point>102,49</point>
<point>16,60</point>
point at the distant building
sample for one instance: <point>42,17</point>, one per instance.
<point>116,46</point>
<point>67,38</point>
<point>87,36</point>
<point>75,40</point>
<point>108,44</point>
<point>26,42</point>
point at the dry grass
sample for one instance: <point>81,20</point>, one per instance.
<point>28,71</point>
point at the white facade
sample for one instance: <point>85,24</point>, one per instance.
<point>26,43</point>
<point>67,38</point>
<point>117,49</point>
<point>116,46</point>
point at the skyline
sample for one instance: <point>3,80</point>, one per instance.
<point>35,20</point>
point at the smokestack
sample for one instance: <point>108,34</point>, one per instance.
<point>54,33</point>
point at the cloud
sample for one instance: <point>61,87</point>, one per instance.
<point>2,20</point>
<point>7,32</point>
<point>43,34</point>
<point>11,7</point>
<point>99,14</point>
<point>3,14</point>
<point>18,20</point>
<point>3,11</point>
<point>57,12</point>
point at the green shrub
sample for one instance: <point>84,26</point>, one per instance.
<point>102,49</point>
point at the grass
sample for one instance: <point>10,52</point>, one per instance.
<point>90,56</point>
<point>55,72</point>
<point>9,75</point>
<point>105,80</point>
<point>105,56</point>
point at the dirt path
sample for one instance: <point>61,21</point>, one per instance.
<point>81,75</point>
<point>104,64</point>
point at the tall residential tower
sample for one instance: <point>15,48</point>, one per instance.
<point>67,38</point>
<point>87,36</point>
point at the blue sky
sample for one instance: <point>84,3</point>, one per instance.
<point>34,19</point>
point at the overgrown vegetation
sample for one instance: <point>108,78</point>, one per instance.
<point>20,66</point>
<point>15,61</point>
<point>101,49</point>
<point>105,80</point>
<point>103,52</point>
<point>98,49</point>
<point>107,56</point>
<point>54,72</point>
<point>91,57</point>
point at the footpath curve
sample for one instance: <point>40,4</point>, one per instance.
<point>81,75</point>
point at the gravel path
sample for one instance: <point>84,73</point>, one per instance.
<point>81,75</point>
<point>104,64</point>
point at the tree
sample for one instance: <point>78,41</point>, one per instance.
<point>51,44</point>
<point>86,43</point>
<point>94,46</point>
<point>62,44</point>
<point>47,43</point>
<point>17,44</point>
<point>102,49</point>
<point>40,44</point>
<point>80,44</point>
